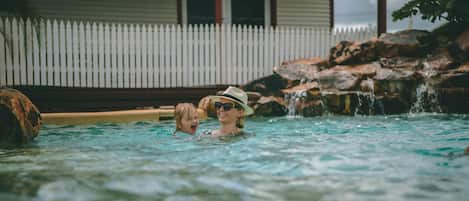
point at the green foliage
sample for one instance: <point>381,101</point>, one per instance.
<point>454,11</point>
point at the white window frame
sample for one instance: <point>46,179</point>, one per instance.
<point>226,12</point>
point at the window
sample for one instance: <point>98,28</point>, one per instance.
<point>200,11</point>
<point>249,12</point>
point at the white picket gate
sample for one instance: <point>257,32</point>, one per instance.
<point>110,55</point>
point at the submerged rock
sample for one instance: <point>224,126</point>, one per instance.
<point>20,120</point>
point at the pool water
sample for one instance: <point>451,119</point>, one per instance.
<point>406,157</point>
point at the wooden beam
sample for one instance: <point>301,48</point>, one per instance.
<point>273,13</point>
<point>179,11</point>
<point>218,12</point>
<point>382,4</point>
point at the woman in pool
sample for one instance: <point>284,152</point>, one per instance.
<point>231,109</point>
<point>187,118</point>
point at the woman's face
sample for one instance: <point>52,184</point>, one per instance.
<point>189,122</point>
<point>228,115</point>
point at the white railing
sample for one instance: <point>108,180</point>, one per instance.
<point>109,55</point>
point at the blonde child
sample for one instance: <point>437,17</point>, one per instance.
<point>187,118</point>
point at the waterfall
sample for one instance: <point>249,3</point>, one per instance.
<point>426,99</point>
<point>426,95</point>
<point>366,99</point>
<point>292,100</point>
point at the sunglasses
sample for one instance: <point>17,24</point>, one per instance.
<point>226,106</point>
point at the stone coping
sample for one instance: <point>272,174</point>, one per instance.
<point>77,118</point>
<point>109,117</point>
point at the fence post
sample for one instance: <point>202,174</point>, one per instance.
<point>62,65</point>
<point>150,64</point>
<point>108,54</point>
<point>69,53</point>
<point>119,32</point>
<point>185,52</point>
<point>179,56</point>
<point>138,57</point>
<point>172,49</point>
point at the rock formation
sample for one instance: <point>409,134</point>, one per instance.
<point>399,72</point>
<point>20,120</point>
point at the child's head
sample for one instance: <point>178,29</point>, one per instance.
<point>187,119</point>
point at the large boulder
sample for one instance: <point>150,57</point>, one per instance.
<point>267,86</point>
<point>300,70</point>
<point>304,99</point>
<point>343,102</point>
<point>338,79</point>
<point>410,63</point>
<point>463,42</point>
<point>396,88</point>
<point>392,103</point>
<point>454,100</point>
<point>270,106</point>
<point>402,43</point>
<point>452,87</point>
<point>20,120</point>
<point>349,53</point>
<point>441,60</point>
<point>456,78</point>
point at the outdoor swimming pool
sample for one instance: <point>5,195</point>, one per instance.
<point>405,157</point>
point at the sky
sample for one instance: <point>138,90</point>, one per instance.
<point>364,13</point>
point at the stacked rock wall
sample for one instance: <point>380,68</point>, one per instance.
<point>399,72</point>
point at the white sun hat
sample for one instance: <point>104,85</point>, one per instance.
<point>236,95</point>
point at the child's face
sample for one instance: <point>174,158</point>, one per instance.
<point>189,122</point>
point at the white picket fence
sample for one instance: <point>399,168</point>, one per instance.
<point>110,55</point>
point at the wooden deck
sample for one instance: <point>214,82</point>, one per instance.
<point>62,99</point>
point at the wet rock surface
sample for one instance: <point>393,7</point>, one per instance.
<point>407,71</point>
<point>20,120</point>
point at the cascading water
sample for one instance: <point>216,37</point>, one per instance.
<point>426,99</point>
<point>426,95</point>
<point>366,100</point>
<point>292,100</point>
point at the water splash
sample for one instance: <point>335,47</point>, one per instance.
<point>426,95</point>
<point>292,100</point>
<point>366,100</point>
<point>426,99</point>
<point>366,103</point>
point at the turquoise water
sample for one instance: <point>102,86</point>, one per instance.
<point>408,157</point>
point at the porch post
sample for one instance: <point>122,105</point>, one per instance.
<point>218,11</point>
<point>381,17</point>
<point>273,12</point>
<point>179,11</point>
